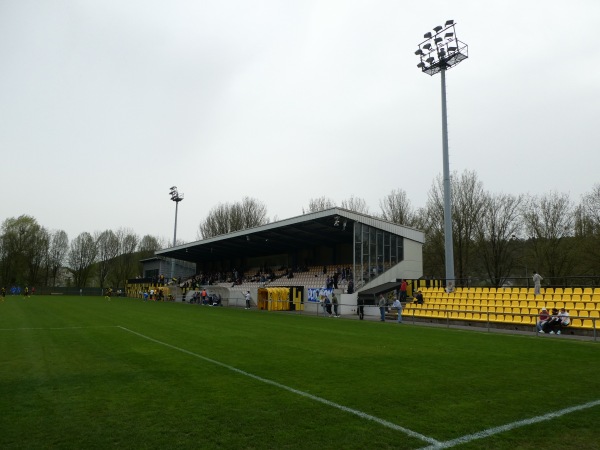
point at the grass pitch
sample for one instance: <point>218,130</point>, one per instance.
<point>83,372</point>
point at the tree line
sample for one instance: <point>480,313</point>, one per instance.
<point>32,255</point>
<point>496,236</point>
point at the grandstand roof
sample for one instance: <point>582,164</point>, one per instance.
<point>327,227</point>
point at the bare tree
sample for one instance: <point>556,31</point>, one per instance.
<point>549,223</point>
<point>468,198</point>
<point>227,218</point>
<point>356,204</point>
<point>147,248</point>
<point>57,252</point>
<point>150,244</point>
<point>587,232</point>
<point>431,219</point>
<point>497,229</point>
<point>318,204</point>
<point>108,249</point>
<point>36,252</point>
<point>396,207</point>
<point>81,258</point>
<point>126,261</point>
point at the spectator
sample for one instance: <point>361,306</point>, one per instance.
<point>382,307</point>
<point>549,325</point>
<point>403,287</point>
<point>449,287</point>
<point>328,305</point>
<point>562,320</point>
<point>334,300</point>
<point>537,283</point>
<point>542,319</point>
<point>397,305</point>
<point>248,299</point>
<point>419,298</point>
<point>361,308</point>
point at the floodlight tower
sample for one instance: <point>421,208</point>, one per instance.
<point>441,50</point>
<point>176,197</point>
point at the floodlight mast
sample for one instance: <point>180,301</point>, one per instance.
<point>441,50</point>
<point>176,197</point>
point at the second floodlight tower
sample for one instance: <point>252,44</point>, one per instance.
<point>441,50</point>
<point>176,197</point>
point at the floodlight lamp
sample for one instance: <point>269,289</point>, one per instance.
<point>419,52</point>
<point>421,65</point>
<point>427,35</point>
<point>427,46</point>
<point>430,59</point>
<point>452,49</point>
<point>448,35</point>
<point>437,40</point>
<point>173,188</point>
<point>438,28</point>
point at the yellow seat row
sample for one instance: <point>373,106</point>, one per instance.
<point>579,318</point>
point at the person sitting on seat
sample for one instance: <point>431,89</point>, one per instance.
<point>543,318</point>
<point>419,298</point>
<point>548,327</point>
<point>562,320</point>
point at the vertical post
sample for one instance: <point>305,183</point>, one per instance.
<point>447,193</point>
<point>174,241</point>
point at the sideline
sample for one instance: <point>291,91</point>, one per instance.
<point>361,414</point>
<point>511,426</point>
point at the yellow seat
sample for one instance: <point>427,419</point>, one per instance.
<point>577,323</point>
<point>528,320</point>
<point>588,323</point>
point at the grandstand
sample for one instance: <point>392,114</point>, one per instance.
<point>311,247</point>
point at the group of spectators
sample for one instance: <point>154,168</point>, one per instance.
<point>330,305</point>
<point>554,323</point>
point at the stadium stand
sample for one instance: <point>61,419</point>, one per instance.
<point>507,306</point>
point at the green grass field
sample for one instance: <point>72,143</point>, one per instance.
<point>83,372</point>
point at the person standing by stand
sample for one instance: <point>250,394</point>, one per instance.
<point>537,283</point>
<point>334,301</point>
<point>248,300</point>
<point>403,287</point>
<point>382,307</point>
<point>361,308</point>
<point>397,305</point>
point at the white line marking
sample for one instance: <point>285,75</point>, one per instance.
<point>511,426</point>
<point>361,414</point>
<point>58,328</point>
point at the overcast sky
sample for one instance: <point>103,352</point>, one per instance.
<point>106,104</point>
